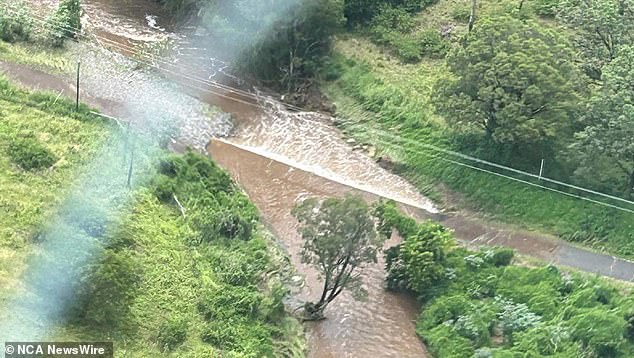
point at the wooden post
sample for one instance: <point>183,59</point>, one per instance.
<point>77,100</point>
<point>131,167</point>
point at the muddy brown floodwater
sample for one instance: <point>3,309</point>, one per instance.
<point>381,326</point>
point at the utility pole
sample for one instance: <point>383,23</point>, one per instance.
<point>541,170</point>
<point>77,100</point>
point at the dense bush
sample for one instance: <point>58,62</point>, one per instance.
<point>547,8</point>
<point>65,22</point>
<point>364,11</point>
<point>29,154</point>
<point>481,301</point>
<point>432,44</point>
<point>172,333</point>
<point>16,22</point>
<point>193,179</point>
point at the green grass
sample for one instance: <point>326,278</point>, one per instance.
<point>28,197</point>
<point>377,94</point>
<point>160,284</point>
<point>53,60</point>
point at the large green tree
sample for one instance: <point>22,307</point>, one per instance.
<point>513,80</point>
<point>600,27</point>
<point>339,239</point>
<point>610,115</point>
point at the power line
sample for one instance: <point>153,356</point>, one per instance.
<point>255,97</point>
<point>513,178</point>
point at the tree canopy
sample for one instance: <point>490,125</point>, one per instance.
<point>512,79</point>
<point>610,118</point>
<point>601,28</point>
<point>339,239</point>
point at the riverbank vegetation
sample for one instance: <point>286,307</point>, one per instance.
<point>480,304</point>
<point>529,85</point>
<point>180,266</point>
<point>17,23</point>
<point>525,98</point>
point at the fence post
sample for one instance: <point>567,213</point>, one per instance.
<point>77,100</point>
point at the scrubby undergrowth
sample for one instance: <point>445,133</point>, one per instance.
<point>479,304</point>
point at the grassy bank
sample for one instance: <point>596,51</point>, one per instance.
<point>481,304</point>
<point>193,276</point>
<point>28,197</point>
<point>385,102</point>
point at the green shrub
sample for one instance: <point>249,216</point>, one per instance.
<point>228,301</point>
<point>606,341</point>
<point>171,334</point>
<point>417,263</point>
<point>16,22</point>
<point>499,256</point>
<point>107,290</point>
<point>408,48</point>
<point>364,11</point>
<point>432,44</point>
<point>515,317</point>
<point>546,8</point>
<point>29,154</point>
<point>461,12</point>
<point>444,341</point>
<point>546,340</point>
<point>443,309</point>
<point>240,336</point>
<point>391,19</point>
<point>65,22</point>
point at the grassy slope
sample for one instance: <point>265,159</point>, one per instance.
<point>171,277</point>
<point>378,93</point>
<point>26,198</point>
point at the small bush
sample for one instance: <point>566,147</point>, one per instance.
<point>172,334</point>
<point>65,23</point>
<point>432,44</point>
<point>461,13</point>
<point>546,8</point>
<point>499,256</point>
<point>29,154</point>
<point>241,337</point>
<point>16,22</point>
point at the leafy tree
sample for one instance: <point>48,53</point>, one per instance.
<point>602,26</point>
<point>610,116</point>
<point>65,22</point>
<point>279,42</point>
<point>514,80</point>
<point>340,238</point>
